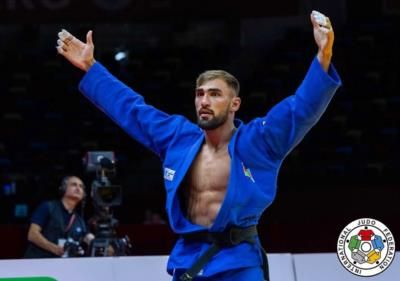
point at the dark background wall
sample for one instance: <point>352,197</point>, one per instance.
<point>346,167</point>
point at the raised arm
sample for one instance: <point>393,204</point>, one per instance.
<point>287,122</point>
<point>148,125</point>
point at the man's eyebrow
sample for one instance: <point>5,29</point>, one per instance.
<point>208,90</point>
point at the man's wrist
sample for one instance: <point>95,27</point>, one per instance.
<point>89,64</point>
<point>53,248</point>
<point>324,59</point>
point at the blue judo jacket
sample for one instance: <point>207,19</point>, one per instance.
<point>257,150</point>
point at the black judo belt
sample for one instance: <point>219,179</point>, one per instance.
<point>228,238</point>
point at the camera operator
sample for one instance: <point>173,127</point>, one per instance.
<point>56,224</point>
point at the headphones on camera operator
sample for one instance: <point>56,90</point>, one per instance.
<point>63,187</point>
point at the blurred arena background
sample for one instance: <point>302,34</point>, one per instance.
<point>346,168</point>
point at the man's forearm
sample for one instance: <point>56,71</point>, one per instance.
<point>324,59</point>
<point>39,240</point>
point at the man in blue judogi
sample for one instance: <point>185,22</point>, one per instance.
<point>220,174</point>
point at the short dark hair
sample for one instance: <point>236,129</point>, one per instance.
<point>209,75</point>
<point>64,182</point>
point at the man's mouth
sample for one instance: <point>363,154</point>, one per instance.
<point>205,113</point>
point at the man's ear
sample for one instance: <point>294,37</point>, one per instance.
<point>235,104</point>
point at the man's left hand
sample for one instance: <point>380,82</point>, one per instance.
<point>324,36</point>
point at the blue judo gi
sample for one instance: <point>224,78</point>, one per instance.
<point>257,150</point>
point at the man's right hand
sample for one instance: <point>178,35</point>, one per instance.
<point>57,250</point>
<point>78,53</point>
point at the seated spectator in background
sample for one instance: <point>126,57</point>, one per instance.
<point>55,222</point>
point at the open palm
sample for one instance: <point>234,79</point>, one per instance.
<point>75,51</point>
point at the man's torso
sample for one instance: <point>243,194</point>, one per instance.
<point>205,185</point>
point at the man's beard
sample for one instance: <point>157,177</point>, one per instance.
<point>214,122</point>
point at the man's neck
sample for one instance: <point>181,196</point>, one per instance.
<point>218,138</point>
<point>69,204</point>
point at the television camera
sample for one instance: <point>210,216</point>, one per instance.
<point>105,195</point>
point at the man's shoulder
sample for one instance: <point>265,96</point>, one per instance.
<point>48,206</point>
<point>247,126</point>
<point>185,127</point>
<point>41,213</point>
<point>44,205</point>
<point>52,204</point>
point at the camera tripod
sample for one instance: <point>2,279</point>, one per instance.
<point>103,247</point>
<point>106,242</point>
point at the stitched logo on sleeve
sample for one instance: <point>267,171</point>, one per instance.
<point>247,173</point>
<point>169,174</point>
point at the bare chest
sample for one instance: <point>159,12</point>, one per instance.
<point>210,171</point>
<point>205,186</point>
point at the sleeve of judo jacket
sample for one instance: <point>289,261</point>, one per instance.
<point>287,122</point>
<point>146,124</point>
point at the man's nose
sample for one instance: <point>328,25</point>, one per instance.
<point>205,100</point>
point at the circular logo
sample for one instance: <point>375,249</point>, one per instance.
<point>366,247</point>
